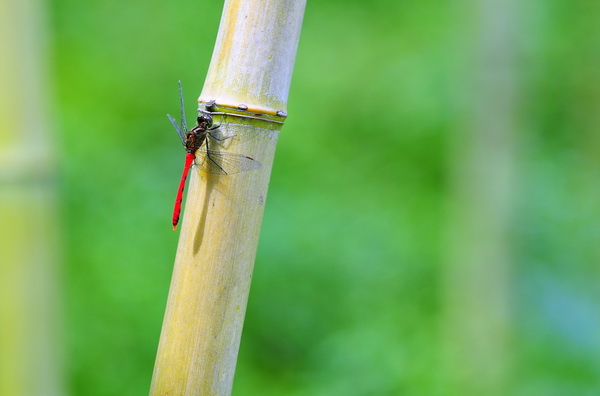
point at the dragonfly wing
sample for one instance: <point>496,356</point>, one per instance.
<point>179,132</point>
<point>183,122</point>
<point>228,130</point>
<point>221,133</point>
<point>222,163</point>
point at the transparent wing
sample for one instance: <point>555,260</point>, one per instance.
<point>183,122</point>
<point>224,134</point>
<point>222,163</point>
<point>228,129</point>
<point>179,132</point>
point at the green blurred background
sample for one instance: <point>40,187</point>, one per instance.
<point>432,223</point>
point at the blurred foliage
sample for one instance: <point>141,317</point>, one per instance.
<point>346,297</point>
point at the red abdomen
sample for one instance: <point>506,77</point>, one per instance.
<point>189,159</point>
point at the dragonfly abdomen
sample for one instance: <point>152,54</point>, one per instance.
<point>189,159</point>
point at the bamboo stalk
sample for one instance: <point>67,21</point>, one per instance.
<point>252,65</point>
<point>479,256</point>
<point>30,348</point>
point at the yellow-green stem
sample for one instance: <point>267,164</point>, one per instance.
<point>251,65</point>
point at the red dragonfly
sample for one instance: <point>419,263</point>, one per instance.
<point>197,142</point>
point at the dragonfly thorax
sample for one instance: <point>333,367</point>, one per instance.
<point>197,135</point>
<point>194,139</point>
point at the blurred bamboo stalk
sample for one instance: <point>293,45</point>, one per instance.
<point>252,65</point>
<point>30,362</point>
<point>478,266</point>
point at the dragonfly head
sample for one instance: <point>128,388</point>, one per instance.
<point>205,121</point>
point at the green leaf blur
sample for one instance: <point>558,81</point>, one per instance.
<point>352,279</point>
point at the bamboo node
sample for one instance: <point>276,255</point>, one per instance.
<point>242,110</point>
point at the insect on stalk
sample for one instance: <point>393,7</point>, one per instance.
<point>198,142</point>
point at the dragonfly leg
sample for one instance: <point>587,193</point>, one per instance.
<point>212,160</point>
<point>220,139</point>
<point>215,126</point>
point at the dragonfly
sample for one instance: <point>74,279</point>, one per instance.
<point>201,143</point>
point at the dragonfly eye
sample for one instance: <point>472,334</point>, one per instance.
<point>205,121</point>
